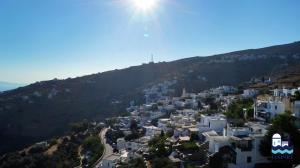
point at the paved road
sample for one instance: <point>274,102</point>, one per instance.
<point>108,150</point>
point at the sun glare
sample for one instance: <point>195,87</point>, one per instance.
<point>145,5</point>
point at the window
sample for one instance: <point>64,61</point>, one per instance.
<point>275,107</point>
<point>249,159</point>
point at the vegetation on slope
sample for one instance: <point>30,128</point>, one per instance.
<point>62,152</point>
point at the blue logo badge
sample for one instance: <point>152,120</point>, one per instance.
<point>281,149</point>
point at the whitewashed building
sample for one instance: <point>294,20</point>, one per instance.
<point>236,131</point>
<point>247,152</point>
<point>152,131</point>
<point>242,141</point>
<point>164,124</point>
<point>178,132</point>
<point>296,108</point>
<point>215,122</point>
<point>248,93</point>
<point>121,144</point>
<point>266,110</point>
<point>285,92</point>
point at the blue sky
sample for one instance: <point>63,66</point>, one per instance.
<point>46,39</point>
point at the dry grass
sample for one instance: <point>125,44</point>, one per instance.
<point>53,148</point>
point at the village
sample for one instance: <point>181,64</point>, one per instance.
<point>194,129</point>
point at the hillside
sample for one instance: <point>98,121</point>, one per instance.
<point>45,109</point>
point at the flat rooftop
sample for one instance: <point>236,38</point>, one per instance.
<point>113,157</point>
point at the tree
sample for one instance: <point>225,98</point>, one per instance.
<point>211,102</point>
<point>296,96</point>
<point>158,147</point>
<point>235,110</point>
<point>93,144</point>
<point>138,162</point>
<point>189,146</point>
<point>160,162</point>
<point>134,135</point>
<point>36,149</point>
<point>133,125</point>
<point>194,137</point>
<point>111,121</point>
<point>220,160</point>
<point>79,126</point>
<point>113,135</point>
<point>162,133</point>
<point>53,142</point>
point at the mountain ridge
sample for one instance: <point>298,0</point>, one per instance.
<point>44,109</point>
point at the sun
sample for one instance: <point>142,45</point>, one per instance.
<point>145,5</point>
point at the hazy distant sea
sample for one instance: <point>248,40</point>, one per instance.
<point>4,86</point>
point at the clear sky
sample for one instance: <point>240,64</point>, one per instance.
<point>46,39</point>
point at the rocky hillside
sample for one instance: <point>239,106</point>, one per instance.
<point>44,109</point>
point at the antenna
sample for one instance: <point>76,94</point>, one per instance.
<point>152,60</point>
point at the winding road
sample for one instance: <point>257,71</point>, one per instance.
<point>108,150</point>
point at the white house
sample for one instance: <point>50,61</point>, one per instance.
<point>152,131</point>
<point>285,92</point>
<point>216,142</point>
<point>205,136</point>
<point>133,146</point>
<point>121,144</point>
<point>164,124</point>
<point>180,119</point>
<point>223,89</point>
<point>244,143</point>
<point>156,114</point>
<point>187,112</point>
<point>191,103</point>
<point>178,132</point>
<point>296,108</point>
<point>203,94</point>
<point>257,127</point>
<point>277,92</point>
<point>236,131</point>
<point>169,107</point>
<point>193,130</point>
<point>247,152</point>
<point>42,144</point>
<point>184,138</point>
<point>179,104</point>
<point>247,93</point>
<point>266,110</point>
<point>216,122</point>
